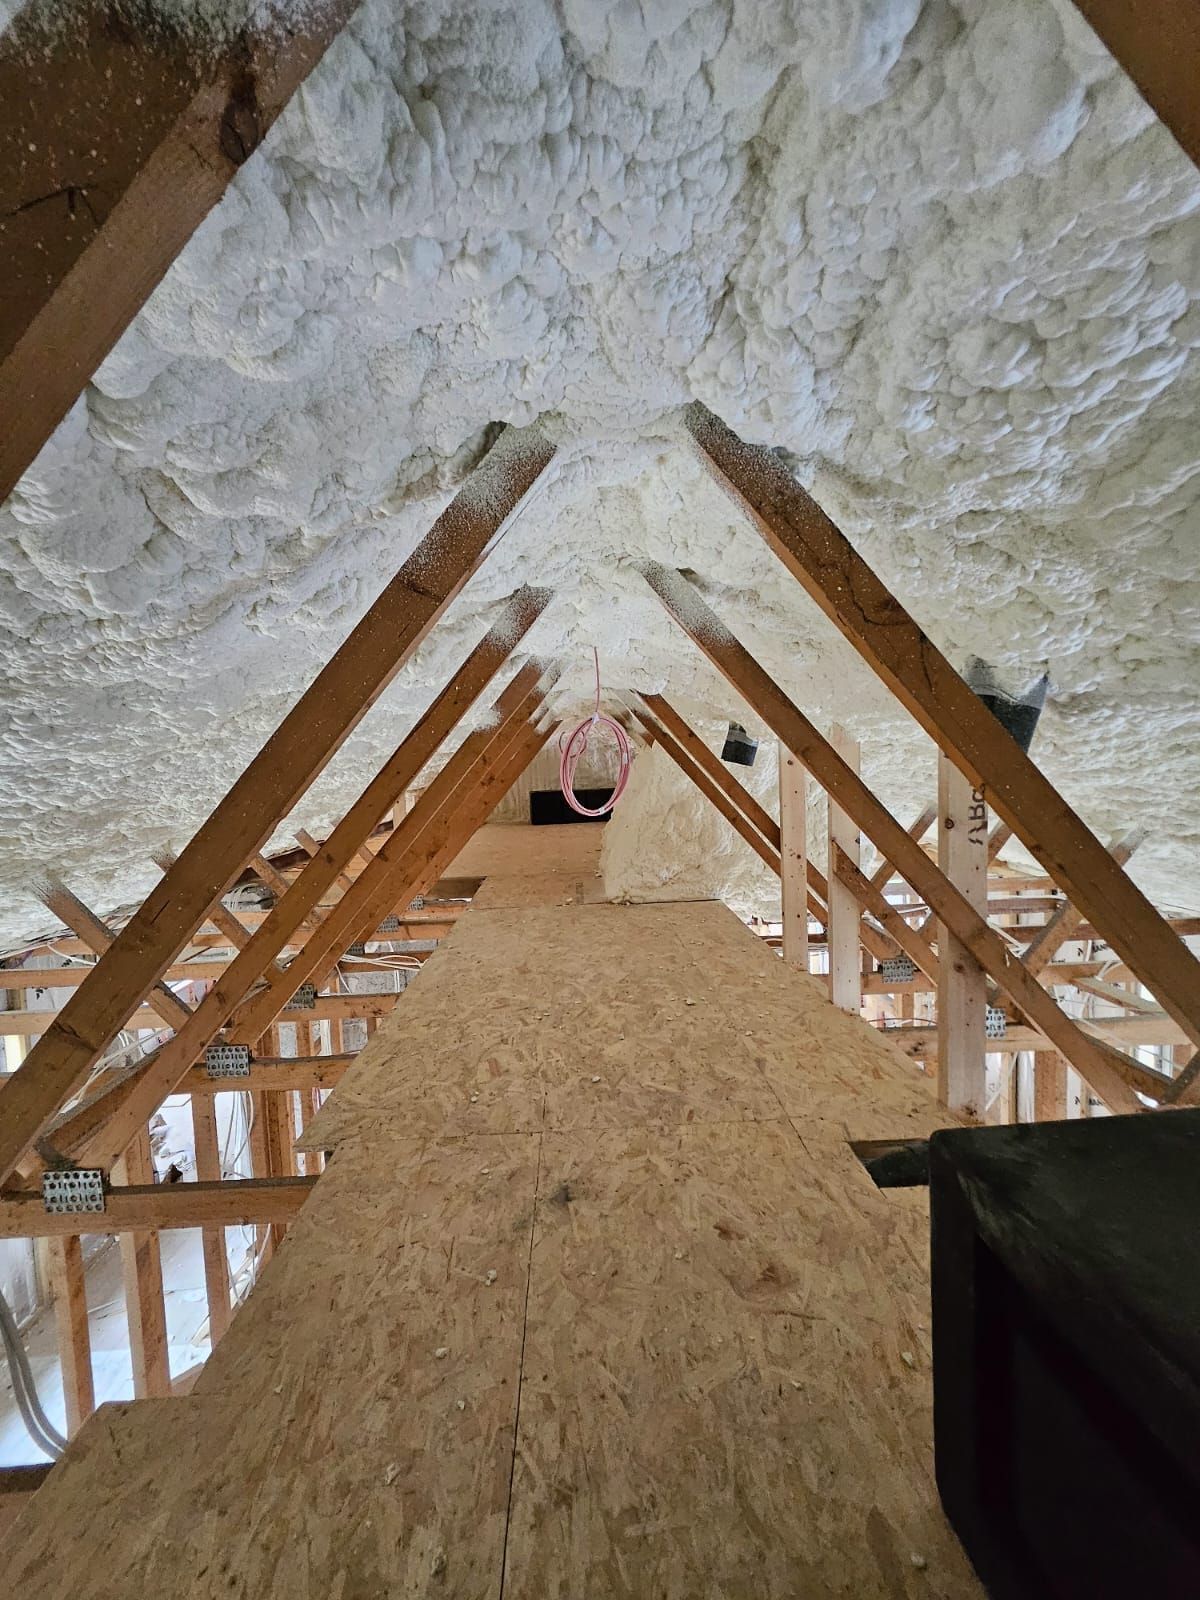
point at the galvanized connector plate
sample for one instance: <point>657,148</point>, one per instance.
<point>390,925</point>
<point>304,999</point>
<point>897,969</point>
<point>995,1022</point>
<point>417,903</point>
<point>73,1189</point>
<point>227,1061</point>
<point>358,948</point>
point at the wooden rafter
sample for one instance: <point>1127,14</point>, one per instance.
<point>739,807</point>
<point>71,911</point>
<point>918,828</point>
<point>1066,920</point>
<point>412,869</point>
<point>872,899</point>
<point>304,743</point>
<point>137,138</point>
<point>881,630</point>
<point>1158,44</point>
<point>718,795</point>
<point>356,909</point>
<point>790,725</point>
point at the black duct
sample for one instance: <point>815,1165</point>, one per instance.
<point>1016,712</point>
<point>740,748</point>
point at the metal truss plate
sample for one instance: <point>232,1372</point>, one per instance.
<point>358,948</point>
<point>898,969</point>
<point>390,925</point>
<point>227,1061</point>
<point>995,1022</point>
<point>73,1189</point>
<point>304,999</point>
<point>417,903</point>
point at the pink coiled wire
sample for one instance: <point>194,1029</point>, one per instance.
<point>573,745</point>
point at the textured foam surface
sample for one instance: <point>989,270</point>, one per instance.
<point>942,254</point>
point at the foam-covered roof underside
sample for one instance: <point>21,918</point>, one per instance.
<point>941,253</point>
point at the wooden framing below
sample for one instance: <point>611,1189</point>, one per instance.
<point>134,1207</point>
<point>868,615</point>
<point>306,740</point>
<point>1107,1075</point>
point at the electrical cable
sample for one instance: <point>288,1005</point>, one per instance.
<point>39,1427</point>
<point>574,745</point>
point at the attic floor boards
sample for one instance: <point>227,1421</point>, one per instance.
<point>592,1300</point>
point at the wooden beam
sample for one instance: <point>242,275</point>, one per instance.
<point>789,724</point>
<point>1119,997</point>
<point>1049,1087</point>
<point>114,146</point>
<point>281,1072</point>
<point>305,741</point>
<point>433,924</point>
<point>236,1203</point>
<point>1158,44</point>
<point>918,828</point>
<point>913,944</point>
<point>313,847</point>
<point>962,989</point>
<point>354,911</point>
<point>141,1267</point>
<point>874,621</point>
<point>218,913</point>
<point>717,795</point>
<point>687,756</point>
<point>1066,921</point>
<point>331,1005</point>
<point>276,884</point>
<point>69,1290</point>
<point>423,863</point>
<point>845,969</point>
<point>72,913</point>
<point>793,856</point>
<point>713,767</point>
<point>216,1258</point>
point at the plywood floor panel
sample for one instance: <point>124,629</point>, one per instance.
<point>593,1299</point>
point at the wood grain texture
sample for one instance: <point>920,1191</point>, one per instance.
<point>68,1288</point>
<point>593,1298</point>
<point>138,137</point>
<point>1158,44</point>
<point>311,733</point>
<point>873,620</point>
<point>1110,1078</point>
<point>845,967</point>
<point>962,983</point>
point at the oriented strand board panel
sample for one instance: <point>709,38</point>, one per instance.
<point>593,1299</point>
<point>510,849</point>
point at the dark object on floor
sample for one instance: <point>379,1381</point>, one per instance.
<point>547,806</point>
<point>1066,1354</point>
<point>740,748</point>
<point>894,1163</point>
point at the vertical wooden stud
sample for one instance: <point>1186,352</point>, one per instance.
<point>208,1170</point>
<point>141,1264</point>
<point>845,972</point>
<point>64,1261</point>
<point>962,991</point>
<point>793,832</point>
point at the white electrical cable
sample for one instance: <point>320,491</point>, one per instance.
<point>39,1427</point>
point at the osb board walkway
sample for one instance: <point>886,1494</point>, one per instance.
<point>593,1300</point>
